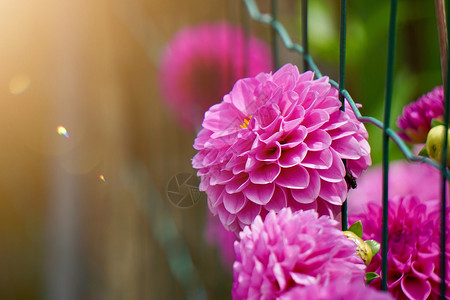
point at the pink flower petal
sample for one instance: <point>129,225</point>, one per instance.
<point>295,205</point>
<point>233,202</point>
<point>241,144</point>
<point>325,208</point>
<point>336,172</point>
<point>222,119</point>
<point>292,157</point>
<point>394,278</point>
<point>270,137</point>
<point>318,159</point>
<point>347,147</point>
<point>224,216</point>
<point>252,164</point>
<point>309,99</point>
<point>215,195</point>
<point>333,192</point>
<point>265,174</point>
<point>249,212</point>
<point>309,194</point>
<point>242,96</point>
<point>345,130</point>
<point>259,194</point>
<point>329,104</point>
<point>317,140</point>
<point>315,119</point>
<point>303,279</point>
<point>295,177</point>
<point>237,184</point>
<point>306,76</point>
<point>293,138</point>
<point>270,153</point>
<point>279,275</point>
<point>293,120</point>
<point>415,288</point>
<point>222,177</point>
<point>422,269</point>
<point>337,119</point>
<point>268,118</point>
<point>278,201</point>
<point>235,161</point>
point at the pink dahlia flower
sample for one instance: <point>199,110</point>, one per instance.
<point>415,121</point>
<point>278,140</point>
<point>336,290</point>
<point>216,235</point>
<point>413,246</point>
<point>201,64</point>
<point>418,179</point>
<point>290,250</point>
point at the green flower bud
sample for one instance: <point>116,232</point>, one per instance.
<point>362,248</point>
<point>434,144</point>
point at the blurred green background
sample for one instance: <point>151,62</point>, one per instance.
<point>92,66</point>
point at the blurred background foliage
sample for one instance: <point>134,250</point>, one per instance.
<point>92,66</point>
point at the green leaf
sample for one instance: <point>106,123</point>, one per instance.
<point>357,229</point>
<point>424,151</point>
<point>371,276</point>
<point>436,122</point>
<point>374,246</point>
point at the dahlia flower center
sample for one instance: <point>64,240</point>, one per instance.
<point>246,122</point>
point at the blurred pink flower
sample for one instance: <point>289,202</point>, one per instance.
<point>201,64</point>
<point>413,245</point>
<point>216,235</point>
<point>336,290</point>
<point>415,121</point>
<point>278,140</point>
<point>292,249</point>
<point>418,179</point>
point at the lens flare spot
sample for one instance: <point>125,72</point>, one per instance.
<point>19,84</point>
<point>62,131</point>
<point>102,178</point>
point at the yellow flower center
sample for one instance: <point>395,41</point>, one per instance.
<point>246,122</point>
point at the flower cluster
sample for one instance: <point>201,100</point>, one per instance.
<point>278,140</point>
<point>290,250</point>
<point>415,121</point>
<point>270,157</point>
<point>202,63</point>
<point>413,245</point>
<point>421,180</point>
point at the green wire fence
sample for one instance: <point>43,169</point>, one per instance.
<point>279,32</point>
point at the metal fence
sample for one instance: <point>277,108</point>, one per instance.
<point>279,32</point>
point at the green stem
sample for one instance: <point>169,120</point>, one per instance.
<point>442,33</point>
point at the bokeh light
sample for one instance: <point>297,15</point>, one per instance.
<point>19,84</point>
<point>62,131</point>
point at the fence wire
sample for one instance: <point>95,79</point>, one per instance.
<point>388,134</point>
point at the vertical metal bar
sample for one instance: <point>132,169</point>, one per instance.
<point>245,25</point>
<point>275,51</point>
<point>442,34</point>
<point>443,195</point>
<point>64,272</point>
<point>443,47</point>
<point>305,33</point>
<point>342,44</point>
<point>444,166</point>
<point>230,77</point>
<point>387,120</point>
